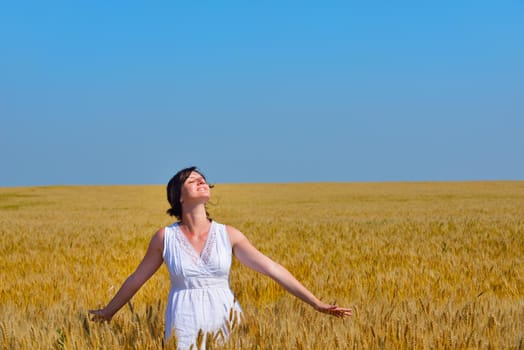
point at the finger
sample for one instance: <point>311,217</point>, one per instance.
<point>96,315</point>
<point>98,318</point>
<point>342,312</point>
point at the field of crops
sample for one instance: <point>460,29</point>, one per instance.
<point>424,265</point>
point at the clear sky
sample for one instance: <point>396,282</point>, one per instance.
<point>128,92</point>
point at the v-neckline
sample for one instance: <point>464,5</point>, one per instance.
<point>191,247</point>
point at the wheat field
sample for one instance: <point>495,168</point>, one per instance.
<point>424,265</point>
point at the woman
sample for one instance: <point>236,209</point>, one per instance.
<point>197,252</point>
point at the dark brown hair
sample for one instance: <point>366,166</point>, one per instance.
<point>174,189</point>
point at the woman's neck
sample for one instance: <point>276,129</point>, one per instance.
<point>195,219</point>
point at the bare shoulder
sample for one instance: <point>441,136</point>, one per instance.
<point>160,233</point>
<point>235,235</point>
<point>157,241</point>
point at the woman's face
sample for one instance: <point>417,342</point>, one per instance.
<point>195,188</point>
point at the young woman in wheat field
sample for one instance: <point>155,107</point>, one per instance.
<point>198,253</point>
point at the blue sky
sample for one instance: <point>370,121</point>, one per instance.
<point>106,92</point>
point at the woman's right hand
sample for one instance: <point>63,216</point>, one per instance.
<point>99,315</point>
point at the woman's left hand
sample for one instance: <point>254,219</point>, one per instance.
<point>334,310</point>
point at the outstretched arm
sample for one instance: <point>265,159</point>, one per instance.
<point>149,265</point>
<point>248,255</point>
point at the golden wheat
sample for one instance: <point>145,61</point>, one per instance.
<point>424,265</point>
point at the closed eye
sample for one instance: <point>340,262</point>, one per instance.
<point>201,179</point>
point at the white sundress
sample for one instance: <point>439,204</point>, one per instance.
<point>200,297</point>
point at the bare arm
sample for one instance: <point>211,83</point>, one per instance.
<point>248,255</point>
<point>149,265</point>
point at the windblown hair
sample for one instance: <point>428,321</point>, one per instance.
<point>174,190</point>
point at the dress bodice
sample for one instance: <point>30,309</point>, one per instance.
<point>200,296</point>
